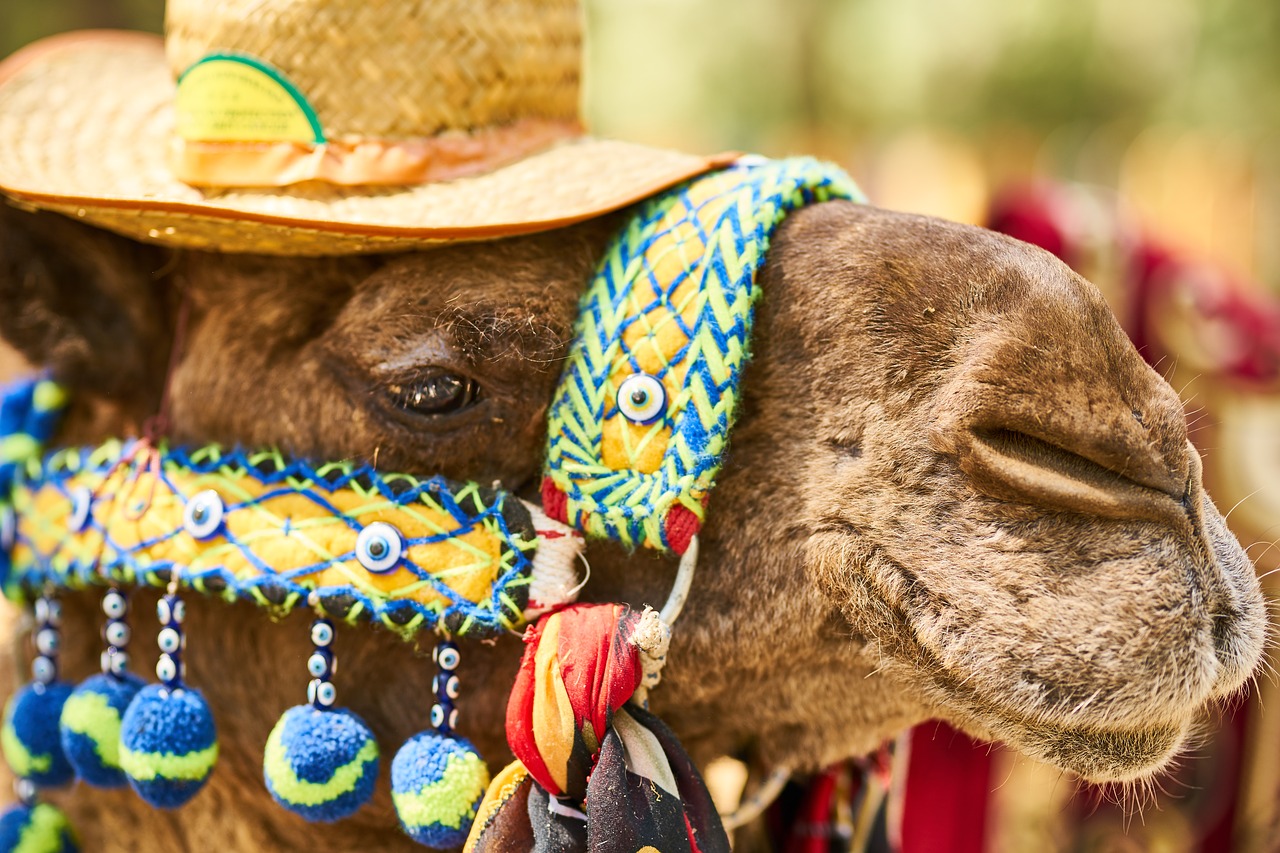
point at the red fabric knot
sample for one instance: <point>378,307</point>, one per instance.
<point>591,774</point>
<point>565,696</point>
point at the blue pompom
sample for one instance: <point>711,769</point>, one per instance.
<point>321,764</point>
<point>40,828</point>
<point>168,744</point>
<point>30,737</point>
<point>91,721</point>
<point>437,783</point>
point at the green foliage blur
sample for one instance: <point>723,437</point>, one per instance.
<point>935,104</point>
<point>743,71</point>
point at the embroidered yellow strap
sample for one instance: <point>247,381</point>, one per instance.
<point>409,553</point>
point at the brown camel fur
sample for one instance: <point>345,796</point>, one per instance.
<point>955,490</point>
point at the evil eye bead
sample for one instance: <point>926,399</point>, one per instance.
<point>642,399</point>
<point>447,658</point>
<point>169,641</point>
<point>114,605</point>
<point>322,634</point>
<point>202,515</point>
<point>166,669</point>
<point>378,547</point>
<point>49,611</point>
<point>117,633</point>
<point>8,528</point>
<point>320,664</point>
<point>449,684</point>
<point>437,716</point>
<point>107,659</point>
<point>43,670</point>
<point>326,694</point>
<point>81,507</point>
<point>119,663</point>
<point>171,610</point>
<point>47,642</point>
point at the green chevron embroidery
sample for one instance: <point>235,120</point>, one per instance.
<point>642,414</point>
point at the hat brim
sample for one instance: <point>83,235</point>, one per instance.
<point>86,120</point>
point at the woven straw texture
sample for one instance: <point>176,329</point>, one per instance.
<point>673,299</point>
<point>409,68</point>
<point>86,122</point>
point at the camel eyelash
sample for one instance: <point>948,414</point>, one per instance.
<point>435,393</point>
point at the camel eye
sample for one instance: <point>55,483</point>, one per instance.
<point>641,398</point>
<point>437,394</point>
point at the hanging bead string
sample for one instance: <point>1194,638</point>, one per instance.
<point>437,775</point>
<point>444,714</point>
<point>170,668</point>
<point>331,749</point>
<point>27,792</point>
<point>44,668</point>
<point>322,665</point>
<point>168,738</point>
<point>116,633</point>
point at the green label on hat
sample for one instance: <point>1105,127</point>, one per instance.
<point>228,97</point>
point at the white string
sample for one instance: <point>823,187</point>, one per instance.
<point>752,807</point>
<point>684,580</point>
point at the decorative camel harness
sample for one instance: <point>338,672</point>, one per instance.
<point>637,429</point>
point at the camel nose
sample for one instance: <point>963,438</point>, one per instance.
<point>1092,431</point>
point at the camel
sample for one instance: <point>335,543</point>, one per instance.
<point>955,491</point>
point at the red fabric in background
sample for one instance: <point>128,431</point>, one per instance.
<point>948,788</point>
<point>808,831</point>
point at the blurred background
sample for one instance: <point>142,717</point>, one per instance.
<point>933,104</point>
<point>1139,140</point>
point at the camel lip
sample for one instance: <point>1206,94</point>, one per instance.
<point>1127,744</point>
<point>1094,751</point>
<point>1096,754</point>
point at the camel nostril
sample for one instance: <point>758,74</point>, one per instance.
<point>1013,465</point>
<point>1047,455</point>
<point>1224,633</point>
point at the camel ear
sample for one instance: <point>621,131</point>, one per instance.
<point>87,304</point>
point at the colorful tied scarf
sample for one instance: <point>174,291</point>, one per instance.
<point>593,769</point>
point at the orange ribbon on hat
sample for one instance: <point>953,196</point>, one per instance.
<point>366,162</point>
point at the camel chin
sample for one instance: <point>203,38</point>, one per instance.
<point>1124,729</point>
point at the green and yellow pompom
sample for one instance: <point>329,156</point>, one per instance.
<point>321,763</point>
<point>168,745</point>
<point>91,719</point>
<point>437,783</point>
<point>40,828</point>
<point>30,737</point>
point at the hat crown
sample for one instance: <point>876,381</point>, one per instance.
<point>398,69</point>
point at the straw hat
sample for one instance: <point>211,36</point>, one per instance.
<point>312,127</point>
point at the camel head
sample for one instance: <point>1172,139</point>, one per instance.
<point>954,490</point>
